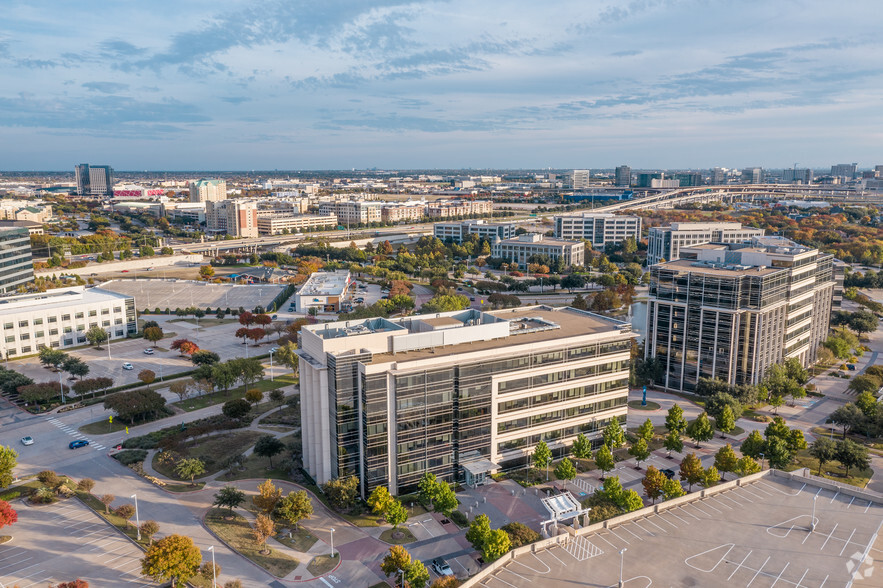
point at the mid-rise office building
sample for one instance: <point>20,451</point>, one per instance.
<point>688,179</point>
<point>665,243</point>
<point>598,228</point>
<point>460,231</point>
<point>844,170</point>
<point>458,394</point>
<point>718,176</point>
<point>731,310</point>
<point>238,218</point>
<point>208,190</point>
<point>797,176</point>
<point>622,175</point>
<point>459,208</point>
<point>16,259</point>
<point>752,175</point>
<point>580,179</point>
<point>276,224</point>
<point>645,179</point>
<point>60,318</point>
<point>324,291</point>
<point>522,248</point>
<point>356,212</point>
<point>94,180</point>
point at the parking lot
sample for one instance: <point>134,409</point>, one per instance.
<point>65,541</point>
<point>174,294</point>
<point>754,536</point>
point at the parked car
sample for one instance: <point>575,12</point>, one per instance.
<point>27,440</point>
<point>670,474</point>
<point>78,443</point>
<point>274,317</point>
<point>148,351</point>
<point>850,367</point>
<point>128,366</point>
<point>441,567</point>
<point>472,299</point>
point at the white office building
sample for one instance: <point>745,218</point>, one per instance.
<point>665,243</point>
<point>324,291</point>
<point>598,228</point>
<point>524,247</point>
<point>460,231</point>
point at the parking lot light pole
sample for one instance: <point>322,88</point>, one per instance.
<point>761,461</point>
<point>271,365</point>
<point>137,520</point>
<point>60,386</point>
<point>332,543</point>
<point>812,521</point>
<point>214,569</point>
<point>621,560</point>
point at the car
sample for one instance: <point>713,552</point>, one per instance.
<point>148,351</point>
<point>441,567</point>
<point>670,474</point>
<point>274,317</point>
<point>128,366</point>
<point>472,299</point>
<point>850,367</point>
<point>27,440</point>
<point>360,300</point>
<point>124,272</point>
<point>78,443</point>
<point>150,269</point>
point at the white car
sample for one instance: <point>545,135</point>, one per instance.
<point>128,366</point>
<point>148,351</point>
<point>27,440</point>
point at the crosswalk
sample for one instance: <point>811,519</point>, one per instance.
<point>75,434</point>
<point>582,549</point>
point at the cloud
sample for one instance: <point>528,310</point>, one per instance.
<point>235,99</point>
<point>105,87</point>
<point>119,48</point>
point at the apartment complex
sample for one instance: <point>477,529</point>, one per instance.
<point>665,243</point>
<point>731,310</point>
<point>460,231</point>
<point>459,394</point>
<point>276,224</point>
<point>455,208</point>
<point>238,218</point>
<point>60,318</point>
<point>22,210</point>
<point>598,228</point>
<point>208,190</point>
<point>408,211</point>
<point>94,180</point>
<point>16,260</point>
<point>523,247</point>
<point>352,212</point>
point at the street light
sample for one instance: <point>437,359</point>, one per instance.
<point>137,520</point>
<point>214,569</point>
<point>108,343</point>
<point>761,460</point>
<point>402,572</point>
<point>621,560</point>
<point>812,521</point>
<point>271,365</point>
<point>332,543</point>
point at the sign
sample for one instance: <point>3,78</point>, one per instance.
<point>644,397</point>
<point>110,419</point>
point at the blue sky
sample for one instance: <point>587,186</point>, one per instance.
<point>337,84</point>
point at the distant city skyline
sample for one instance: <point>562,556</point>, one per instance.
<point>295,85</point>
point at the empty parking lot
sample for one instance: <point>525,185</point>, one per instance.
<point>174,294</point>
<point>754,536</point>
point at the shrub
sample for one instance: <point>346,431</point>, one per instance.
<point>460,518</point>
<point>48,478</point>
<point>64,491</point>
<point>86,485</point>
<point>9,496</point>
<point>520,534</point>
<point>130,456</point>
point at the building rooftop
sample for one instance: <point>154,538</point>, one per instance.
<point>326,284</point>
<point>53,299</point>
<point>722,269</point>
<point>682,226</point>
<point>527,238</point>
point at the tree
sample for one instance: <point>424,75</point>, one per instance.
<point>8,516</point>
<point>611,489</point>
<point>417,576</point>
<point>639,451</point>
<point>520,534</point>
<point>776,401</point>
<point>542,455</point>
<point>710,477</point>
<point>75,366</point>
<point>863,321</point>
<point>190,468</point>
<point>286,355</point>
<point>673,442</point>
<point>867,403</point>
<point>691,470</point>
<point>52,357</point>
<point>565,470</point>
<point>753,445</point>
<point>396,513</point>
<point>848,417</point>
<point>496,544</point>
<point>236,409</point>
<point>147,376</point>
<point>380,500</point>
<point>777,453</point>
<point>604,460</point>
<point>341,492</point>
<point>700,430</point>
<point>631,501</point>
<point>725,421</point>
<point>726,460</point>
<point>78,583</point>
<point>672,489</point>
<point>204,357</point>
<point>179,389</point>
<point>646,430</point>
<point>653,483</point>
<point>277,396</point>
<point>153,334</point>
<point>125,512</point>
<point>173,558</point>
<point>229,497</point>
<point>295,507</point>
<point>184,346</point>
<point>262,529</point>
<point>96,336</point>
<point>478,531</point>
<point>746,466</point>
<point>107,500</point>
<point>824,450</point>
<point>86,485</point>
<point>852,455</point>
<point>206,271</point>
<point>398,559</point>
<point>8,461</point>
<point>445,499</point>
<point>614,437</point>
<point>268,446</point>
<point>582,447</point>
<point>268,497</point>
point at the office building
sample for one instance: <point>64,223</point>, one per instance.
<point>718,176</point>
<point>459,231</point>
<point>645,179</point>
<point>458,394</point>
<point>580,179</point>
<point>324,291</point>
<point>665,243</point>
<point>238,218</point>
<point>208,190</point>
<point>275,224</point>
<point>94,180</point>
<point>752,175</point>
<point>16,261</point>
<point>60,318</point>
<point>598,228</point>
<point>189,212</point>
<point>459,208</point>
<point>688,179</point>
<point>524,248</point>
<point>731,310</point>
<point>622,176</point>
<point>356,212</point>
<point>797,176</point>
<point>844,170</point>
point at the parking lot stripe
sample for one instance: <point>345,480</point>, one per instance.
<point>829,536</point>
<point>787,563</point>
<point>802,577</point>
<point>867,507</point>
<point>823,582</point>
<point>116,558</point>
<point>643,529</point>
<point>819,492</point>
<point>29,575</point>
<point>696,506</point>
<point>850,502</point>
<point>847,542</point>
<point>685,521</point>
<point>618,537</point>
<point>747,491</point>
<point>37,582</point>
<point>17,562</point>
<point>96,539</point>
<point>757,573</point>
<point>706,503</point>
<point>624,528</point>
<point>738,567</point>
<point>719,503</point>
<point>601,537</point>
<point>833,498</point>
<point>731,500</point>
<point>549,551</point>
<point>683,509</point>
<point>121,565</point>
<point>100,545</point>
<point>665,520</point>
<point>655,525</point>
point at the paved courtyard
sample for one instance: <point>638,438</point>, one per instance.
<point>172,294</point>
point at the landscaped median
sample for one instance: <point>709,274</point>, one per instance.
<point>234,530</point>
<point>221,396</point>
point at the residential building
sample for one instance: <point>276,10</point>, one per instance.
<point>238,218</point>
<point>459,231</point>
<point>580,179</point>
<point>349,212</point>
<point>731,310</point>
<point>623,175</point>
<point>458,394</point>
<point>844,170</point>
<point>407,211</point>
<point>522,248</point>
<point>324,291</point>
<point>25,211</point>
<point>208,190</point>
<point>598,228</point>
<point>278,224</point>
<point>190,212</point>
<point>752,175</point>
<point>665,243</point>
<point>16,261</point>
<point>459,208</point>
<point>94,180</point>
<point>60,318</point>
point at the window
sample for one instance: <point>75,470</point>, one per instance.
<point>81,339</point>
<point>118,321</point>
<point>68,329</point>
<point>65,317</point>
<point>93,313</point>
<point>22,323</point>
<point>26,349</point>
<point>81,327</point>
<point>7,325</point>
<point>105,311</point>
<point>54,344</point>
<point>38,334</point>
<point>68,341</point>
<point>53,319</point>
<point>105,323</point>
<point>118,309</point>
<point>53,332</point>
<point>10,338</point>
<point>79,315</point>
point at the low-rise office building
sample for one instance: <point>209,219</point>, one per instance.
<point>598,228</point>
<point>459,394</point>
<point>459,208</point>
<point>460,231</point>
<point>324,291</point>
<point>665,243</point>
<point>731,310</point>
<point>352,212</point>
<point>275,224</point>
<point>60,318</point>
<point>406,211</point>
<point>523,247</point>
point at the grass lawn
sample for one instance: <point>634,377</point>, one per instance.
<point>286,417</point>
<point>220,397</point>
<point>237,534</point>
<point>214,451</point>
<point>104,426</point>
<point>831,470</point>
<point>400,536</point>
<point>322,564</point>
<point>259,467</point>
<point>636,404</point>
<point>301,539</point>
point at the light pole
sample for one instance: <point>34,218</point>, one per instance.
<point>137,520</point>
<point>402,572</point>
<point>271,365</point>
<point>761,461</point>
<point>108,344</point>
<point>332,543</point>
<point>60,385</point>
<point>812,521</point>
<point>621,561</point>
<point>214,569</point>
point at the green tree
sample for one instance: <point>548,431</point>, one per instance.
<point>674,420</point>
<point>852,455</point>
<point>691,470</point>
<point>229,497</point>
<point>153,334</point>
<point>396,514</point>
<point>614,436</point>
<point>416,575</point>
<point>611,489</point>
<point>753,445</point>
<point>824,450</point>
<point>204,357</point>
<point>496,545</point>
<point>341,492</point>
<point>710,477</point>
<point>190,468</point>
<point>379,500</point>
<point>428,487</point>
<point>268,497</point>
<point>287,356</point>
<point>673,442</point>
<point>75,366</point>
<point>726,460</point>
<point>747,466</point>
<point>864,383</point>
<point>777,453</point>
<point>542,455</point>
<point>631,501</point>
<point>672,489</point>
<point>640,451</point>
<point>725,421</point>
<point>700,430</point>
<point>565,470</point>
<point>52,357</point>
<point>445,499</point>
<point>236,409</point>
<point>398,559</point>
<point>867,403</point>
<point>96,336</point>
<point>174,558</point>
<point>646,430</point>
<point>582,447</point>
<point>8,461</point>
<point>653,483</point>
<point>848,417</point>
<point>604,460</point>
<point>268,446</point>
<point>863,321</point>
<point>444,303</point>
<point>478,531</point>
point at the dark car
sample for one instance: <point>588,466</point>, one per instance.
<point>78,443</point>
<point>670,474</point>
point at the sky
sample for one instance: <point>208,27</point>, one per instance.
<point>341,84</point>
